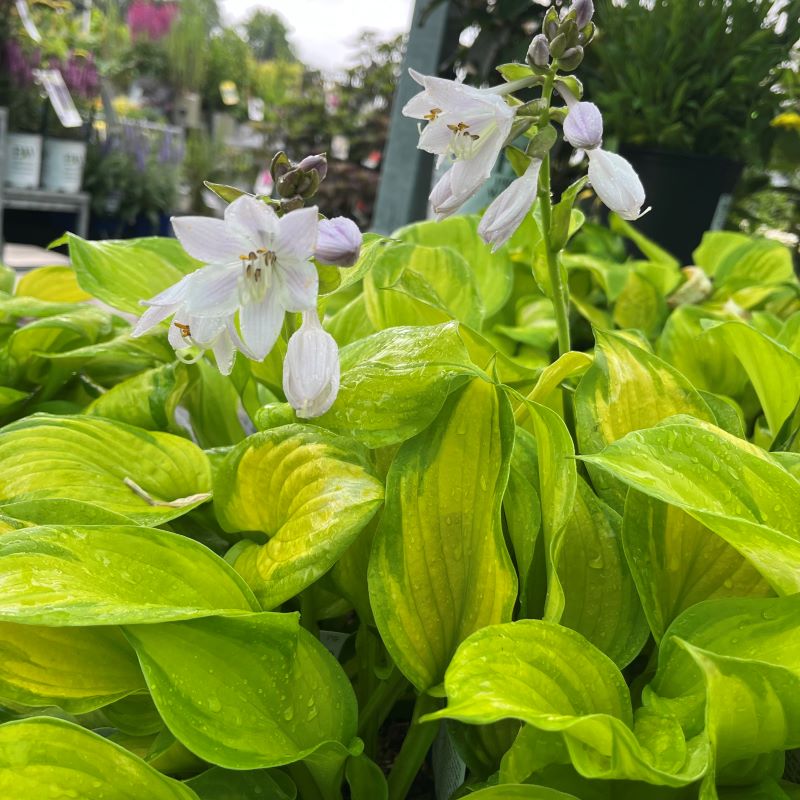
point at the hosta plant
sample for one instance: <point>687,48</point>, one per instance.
<point>409,516</point>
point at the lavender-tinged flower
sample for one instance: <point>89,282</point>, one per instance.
<point>257,265</point>
<point>311,368</point>
<point>510,207</point>
<point>584,11</point>
<point>338,242</point>
<point>466,125</point>
<point>539,51</point>
<point>583,127</point>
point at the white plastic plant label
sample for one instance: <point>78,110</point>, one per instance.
<point>27,21</point>
<point>60,98</point>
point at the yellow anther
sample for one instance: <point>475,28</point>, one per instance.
<point>184,329</point>
<point>434,112</point>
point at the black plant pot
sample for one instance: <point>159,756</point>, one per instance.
<point>687,192</point>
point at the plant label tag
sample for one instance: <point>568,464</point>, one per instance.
<point>27,20</point>
<point>255,109</point>
<point>229,93</point>
<point>60,98</point>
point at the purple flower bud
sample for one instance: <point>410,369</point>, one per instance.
<point>338,242</point>
<point>318,163</point>
<point>539,51</point>
<point>583,127</point>
<point>584,11</point>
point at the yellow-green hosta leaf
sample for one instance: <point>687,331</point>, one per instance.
<point>773,370</point>
<point>150,477</point>
<point>494,272</point>
<point>11,401</point>
<point>259,784</point>
<point>729,485</point>
<point>439,568</point>
<point>756,261</point>
<point>123,272</point>
<point>558,683</point>
<point>640,305</point>
<point>310,491</point>
<point>61,511</point>
<point>57,284</point>
<point>677,561</point>
<point>78,669</point>
<point>395,382</point>
<point>45,757</point>
<point>113,574</point>
<point>412,284</point>
<point>147,400</point>
<point>247,692</point>
<point>600,598</point>
<point>521,791</point>
<point>625,390</point>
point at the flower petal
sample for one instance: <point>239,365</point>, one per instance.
<point>418,106</point>
<point>214,291</point>
<point>151,318</point>
<point>616,183</point>
<point>254,221</point>
<point>297,234</point>
<point>299,284</point>
<point>173,295</point>
<point>207,239</point>
<point>224,353</point>
<point>436,137</point>
<point>261,323</point>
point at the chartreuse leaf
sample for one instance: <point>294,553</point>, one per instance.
<point>338,279</point>
<point>123,272</point>
<point>439,569</point>
<point>599,593</point>
<point>494,272</point>
<point>57,284</point>
<point>733,667</point>
<point>226,784</point>
<point>11,400</point>
<point>773,370</point>
<point>248,692</point>
<point>640,305</point>
<point>730,486</point>
<point>311,491</point>
<point>413,284</point>
<point>627,388</point>
<point>147,400</point>
<point>150,477</point>
<point>46,757</point>
<point>559,684</point>
<point>60,511</point>
<point>113,574</point>
<point>648,247</point>
<point>78,669</point>
<point>395,382</point>
<point>366,779</point>
<point>511,791</point>
<point>755,261</point>
<point>676,561</point>
<point>557,478</point>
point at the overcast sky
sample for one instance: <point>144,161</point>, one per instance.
<point>322,31</point>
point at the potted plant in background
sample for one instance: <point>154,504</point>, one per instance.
<point>687,87</point>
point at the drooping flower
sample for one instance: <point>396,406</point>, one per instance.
<point>258,265</point>
<point>311,368</point>
<point>583,127</point>
<point>466,125</point>
<point>338,242</point>
<point>508,209</point>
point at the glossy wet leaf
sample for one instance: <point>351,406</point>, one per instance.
<point>732,487</point>
<point>97,460</point>
<point>225,784</point>
<point>521,792</point>
<point>44,757</point>
<point>123,272</point>
<point>246,692</point>
<point>310,491</point>
<point>439,568</point>
<point>105,574</point>
<point>394,383</point>
<point>78,669</point>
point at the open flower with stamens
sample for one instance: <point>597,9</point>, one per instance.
<point>466,125</point>
<point>257,264</point>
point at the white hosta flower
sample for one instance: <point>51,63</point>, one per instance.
<point>510,207</point>
<point>466,125</point>
<point>584,11</point>
<point>583,127</point>
<point>616,183</point>
<point>258,265</point>
<point>311,369</point>
<point>338,242</point>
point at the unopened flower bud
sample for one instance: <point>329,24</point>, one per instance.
<point>280,165</point>
<point>587,34</point>
<point>558,45</point>
<point>311,368</point>
<point>571,59</point>
<point>583,127</point>
<point>550,24</point>
<point>569,30</point>
<point>584,11</point>
<point>616,183</point>
<point>695,289</point>
<point>539,51</point>
<point>338,242</point>
<point>318,163</point>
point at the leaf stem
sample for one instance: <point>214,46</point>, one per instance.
<point>381,700</point>
<point>415,747</point>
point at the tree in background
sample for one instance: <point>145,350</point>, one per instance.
<point>267,35</point>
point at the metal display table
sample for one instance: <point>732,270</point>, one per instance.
<point>41,200</point>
